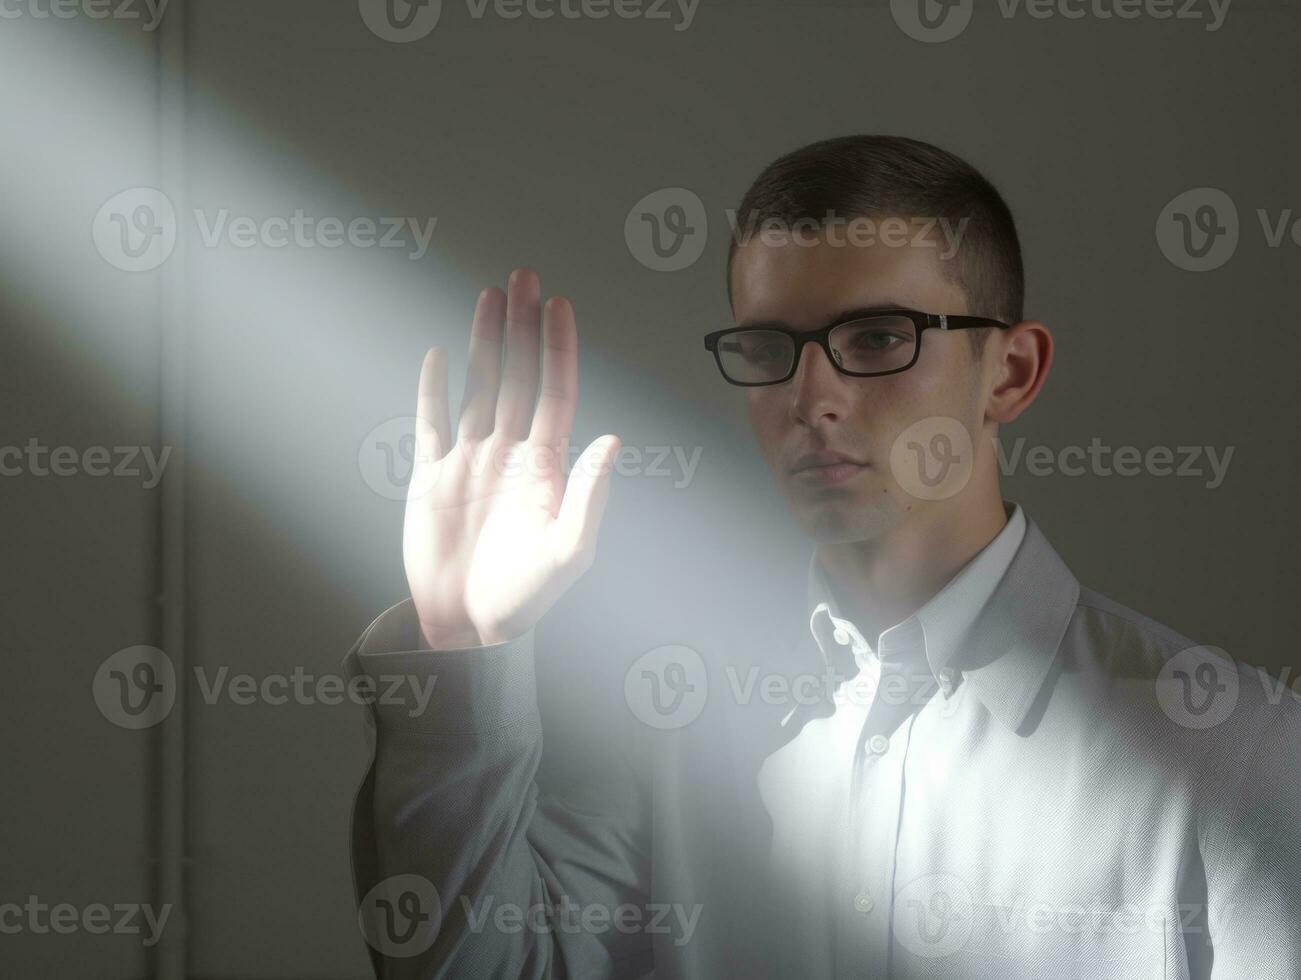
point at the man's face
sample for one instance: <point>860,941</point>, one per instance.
<point>806,283</point>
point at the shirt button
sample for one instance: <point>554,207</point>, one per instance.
<point>947,680</point>
<point>863,902</point>
<point>878,745</point>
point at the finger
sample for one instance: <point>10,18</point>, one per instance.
<point>433,429</point>
<point>519,374</point>
<point>575,529</point>
<point>553,419</point>
<point>483,375</point>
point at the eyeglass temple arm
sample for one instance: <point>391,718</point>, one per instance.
<point>946,322</point>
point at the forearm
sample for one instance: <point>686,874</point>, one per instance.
<point>451,798</point>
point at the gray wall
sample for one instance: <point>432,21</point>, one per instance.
<point>530,141</point>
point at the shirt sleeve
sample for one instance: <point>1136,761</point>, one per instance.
<point>1253,857</point>
<point>463,865</point>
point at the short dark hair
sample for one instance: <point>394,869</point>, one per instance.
<point>873,176</point>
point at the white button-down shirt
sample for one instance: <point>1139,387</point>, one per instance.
<point>1025,779</point>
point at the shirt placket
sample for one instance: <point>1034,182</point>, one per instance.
<point>873,809</point>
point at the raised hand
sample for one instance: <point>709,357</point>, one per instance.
<point>494,534</point>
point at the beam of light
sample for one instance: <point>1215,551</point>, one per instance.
<point>295,354</point>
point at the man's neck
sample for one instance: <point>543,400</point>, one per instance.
<point>882,582</point>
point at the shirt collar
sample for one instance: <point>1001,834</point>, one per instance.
<point>980,627</point>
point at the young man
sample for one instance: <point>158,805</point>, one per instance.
<point>1005,774</point>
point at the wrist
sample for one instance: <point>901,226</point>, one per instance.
<point>450,637</point>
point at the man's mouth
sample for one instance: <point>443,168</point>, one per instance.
<point>826,467</point>
<point>835,473</point>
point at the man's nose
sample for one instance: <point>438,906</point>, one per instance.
<point>818,390</point>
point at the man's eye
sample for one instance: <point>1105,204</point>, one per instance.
<point>870,341</point>
<point>767,352</point>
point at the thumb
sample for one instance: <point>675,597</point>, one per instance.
<point>586,492</point>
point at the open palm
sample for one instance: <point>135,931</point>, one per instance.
<point>494,532</point>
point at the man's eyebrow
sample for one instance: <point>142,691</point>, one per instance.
<point>850,314</point>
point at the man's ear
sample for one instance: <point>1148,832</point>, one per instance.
<point>1023,353</point>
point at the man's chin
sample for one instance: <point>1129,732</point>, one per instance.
<point>846,519</point>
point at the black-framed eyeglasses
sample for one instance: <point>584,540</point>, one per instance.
<point>863,345</point>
